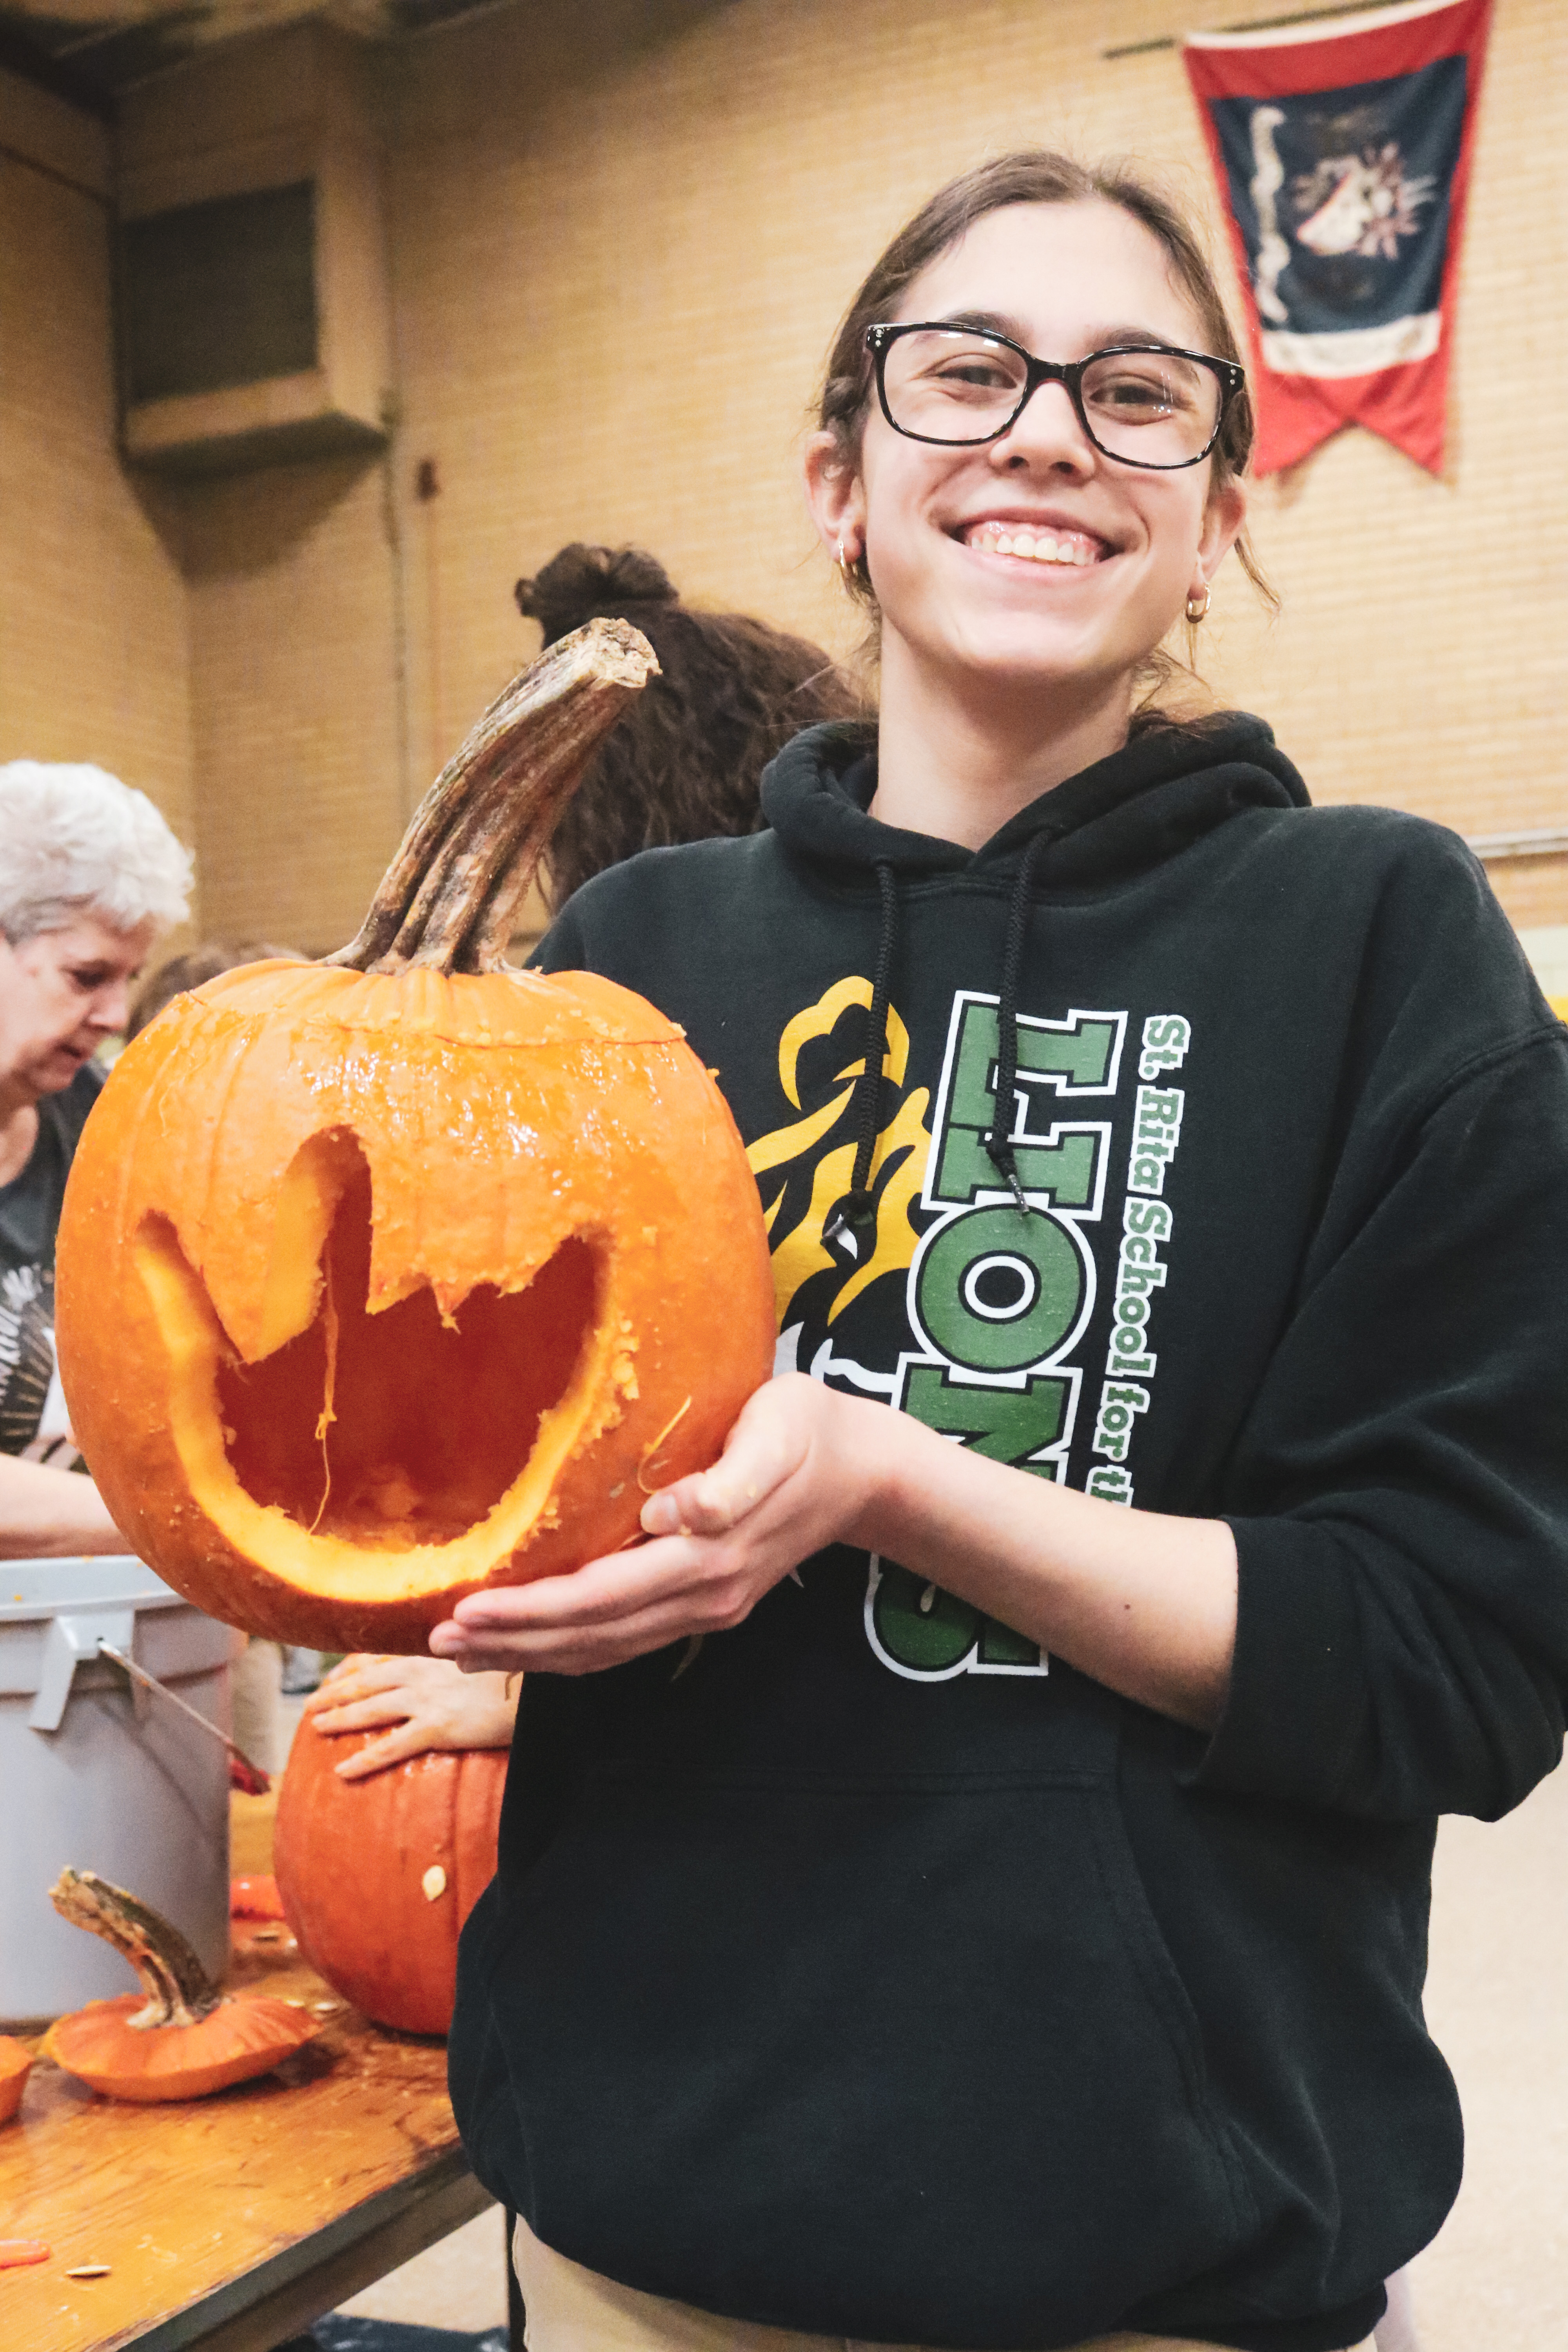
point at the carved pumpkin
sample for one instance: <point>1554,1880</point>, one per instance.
<point>388,1278</point>
<point>179,2038</point>
<point>15,2065</point>
<point>378,1876</point>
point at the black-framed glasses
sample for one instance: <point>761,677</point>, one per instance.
<point>1139,403</point>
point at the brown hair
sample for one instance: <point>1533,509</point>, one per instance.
<point>189,970</point>
<point>687,761</point>
<point>1033,175</point>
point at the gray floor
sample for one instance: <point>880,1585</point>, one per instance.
<point>1496,2279</point>
<point>460,2283</point>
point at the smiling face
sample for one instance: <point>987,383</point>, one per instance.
<point>1110,551</point>
<point>61,994</point>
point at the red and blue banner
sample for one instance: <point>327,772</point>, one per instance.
<point>1343,158</point>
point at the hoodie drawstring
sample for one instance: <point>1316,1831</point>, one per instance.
<point>856,1214</point>
<point>999,1147</point>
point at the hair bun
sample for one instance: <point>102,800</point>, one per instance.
<point>584,582</point>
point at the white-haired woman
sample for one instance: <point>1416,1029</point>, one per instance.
<point>89,875</point>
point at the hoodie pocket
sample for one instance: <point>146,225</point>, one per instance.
<point>907,2063</point>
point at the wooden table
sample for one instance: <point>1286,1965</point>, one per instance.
<point>231,2222</point>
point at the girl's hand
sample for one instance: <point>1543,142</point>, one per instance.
<point>798,1472</point>
<point>430,1702</point>
<point>1143,1601</point>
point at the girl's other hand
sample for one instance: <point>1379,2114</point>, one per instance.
<point>796,1472</point>
<point>429,1703</point>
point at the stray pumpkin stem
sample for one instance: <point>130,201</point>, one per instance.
<point>179,1989</point>
<point>449,898</point>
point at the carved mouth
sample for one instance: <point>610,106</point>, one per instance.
<point>377,1431</point>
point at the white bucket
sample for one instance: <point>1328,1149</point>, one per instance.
<point>98,1774</point>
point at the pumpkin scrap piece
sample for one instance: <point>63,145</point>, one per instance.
<point>357,1306</point>
<point>16,2251</point>
<point>16,2063</point>
<point>254,1898</point>
<point>182,2040</point>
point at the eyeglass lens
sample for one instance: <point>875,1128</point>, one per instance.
<point>1149,406</point>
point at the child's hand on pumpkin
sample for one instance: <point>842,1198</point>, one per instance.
<point>796,1473</point>
<point>427,1701</point>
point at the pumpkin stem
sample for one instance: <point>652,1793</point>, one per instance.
<point>449,898</point>
<point>179,1989</point>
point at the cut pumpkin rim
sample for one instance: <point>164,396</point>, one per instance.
<point>542,1014</point>
<point>180,2037</point>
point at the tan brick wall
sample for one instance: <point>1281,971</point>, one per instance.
<point>613,302</point>
<point>617,269</point>
<point>93,655</point>
<point>295,709</point>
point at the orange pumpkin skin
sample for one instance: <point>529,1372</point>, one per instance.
<point>294,1314</point>
<point>15,2065</point>
<point>240,2039</point>
<point>355,1862</point>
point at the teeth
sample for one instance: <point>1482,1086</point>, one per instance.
<point>1039,547</point>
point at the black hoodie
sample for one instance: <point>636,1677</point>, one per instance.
<point>868,1973</point>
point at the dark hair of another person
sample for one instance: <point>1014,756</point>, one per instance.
<point>686,762</point>
<point>186,971</point>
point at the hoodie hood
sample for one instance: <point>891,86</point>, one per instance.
<point>1145,803</point>
<point>1162,791</point>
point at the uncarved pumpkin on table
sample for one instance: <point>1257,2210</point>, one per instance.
<point>383,1279</point>
<point>377,1876</point>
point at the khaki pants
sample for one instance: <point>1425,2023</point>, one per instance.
<point>574,2310</point>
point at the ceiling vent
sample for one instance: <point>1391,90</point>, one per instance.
<point>252,307</point>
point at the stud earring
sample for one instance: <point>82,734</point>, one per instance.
<point>1197,609</point>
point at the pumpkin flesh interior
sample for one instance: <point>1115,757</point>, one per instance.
<point>373,1431</point>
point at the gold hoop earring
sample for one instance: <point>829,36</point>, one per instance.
<point>846,562</point>
<point>1197,612</point>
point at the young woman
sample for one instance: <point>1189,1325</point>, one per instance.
<point>964,1879</point>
